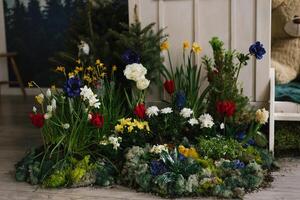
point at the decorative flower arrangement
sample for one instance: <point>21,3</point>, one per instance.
<point>196,143</point>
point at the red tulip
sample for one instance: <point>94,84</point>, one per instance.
<point>37,119</point>
<point>226,108</point>
<point>140,111</point>
<point>169,85</point>
<point>97,120</point>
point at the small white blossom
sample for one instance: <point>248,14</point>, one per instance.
<point>157,149</point>
<point>115,141</point>
<point>84,47</point>
<point>186,112</point>
<point>193,121</point>
<point>89,116</point>
<point>262,116</point>
<point>49,109</point>
<point>48,93</point>
<point>53,104</point>
<point>142,84</point>
<point>88,94</point>
<point>34,109</point>
<point>47,115</point>
<point>152,111</point>
<point>222,126</point>
<point>135,71</point>
<point>166,110</point>
<point>66,126</point>
<point>206,121</point>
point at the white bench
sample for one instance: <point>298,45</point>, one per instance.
<point>280,111</point>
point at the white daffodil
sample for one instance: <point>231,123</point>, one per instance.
<point>193,121</point>
<point>157,149</point>
<point>262,116</point>
<point>222,126</point>
<point>48,93</point>
<point>152,111</point>
<point>49,109</point>
<point>186,112</point>
<point>84,47</point>
<point>53,104</point>
<point>206,121</point>
<point>34,109</point>
<point>166,110</point>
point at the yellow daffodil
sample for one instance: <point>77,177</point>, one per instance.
<point>186,44</point>
<point>114,68</point>
<point>102,75</point>
<point>78,69</point>
<point>60,69</point>
<point>90,68</point>
<point>196,48</point>
<point>40,98</point>
<point>119,128</point>
<point>87,78</point>
<point>130,129</point>
<point>71,74</point>
<point>188,152</point>
<point>78,61</point>
<point>164,46</point>
<point>98,62</point>
<point>53,87</point>
<point>30,84</point>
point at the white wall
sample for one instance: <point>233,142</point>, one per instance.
<point>238,23</point>
<point>3,64</point>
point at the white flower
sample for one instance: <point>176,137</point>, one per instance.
<point>89,116</point>
<point>157,149</point>
<point>222,126</point>
<point>115,141</point>
<point>206,121</point>
<point>88,94</point>
<point>142,84</point>
<point>48,93</point>
<point>34,109</point>
<point>49,109</point>
<point>84,47</point>
<point>135,71</point>
<point>193,121</point>
<point>192,183</point>
<point>47,115</point>
<point>186,112</point>
<point>152,110</point>
<point>53,104</point>
<point>66,126</point>
<point>166,110</point>
<point>262,116</point>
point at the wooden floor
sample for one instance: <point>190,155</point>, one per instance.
<point>17,135</point>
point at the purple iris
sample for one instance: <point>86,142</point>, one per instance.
<point>257,50</point>
<point>72,87</point>
<point>180,99</point>
<point>237,164</point>
<point>130,57</point>
<point>157,167</point>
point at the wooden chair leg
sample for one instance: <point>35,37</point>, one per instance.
<point>18,76</point>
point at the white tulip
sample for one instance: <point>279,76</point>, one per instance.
<point>142,84</point>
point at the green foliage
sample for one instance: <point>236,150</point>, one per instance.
<point>222,73</point>
<point>187,78</point>
<point>145,42</point>
<point>220,147</point>
<point>55,180</point>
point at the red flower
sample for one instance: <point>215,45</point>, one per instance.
<point>169,85</point>
<point>97,120</point>
<point>226,108</point>
<point>140,110</point>
<point>37,119</point>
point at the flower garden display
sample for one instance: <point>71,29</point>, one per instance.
<point>201,142</point>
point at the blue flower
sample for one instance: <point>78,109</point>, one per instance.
<point>157,167</point>
<point>181,157</point>
<point>240,136</point>
<point>130,57</point>
<point>237,164</point>
<point>72,87</point>
<point>180,99</point>
<point>257,50</point>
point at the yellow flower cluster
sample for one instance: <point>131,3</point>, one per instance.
<point>188,152</point>
<point>90,73</point>
<point>130,125</point>
<point>196,48</point>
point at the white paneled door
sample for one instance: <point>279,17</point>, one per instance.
<point>238,23</point>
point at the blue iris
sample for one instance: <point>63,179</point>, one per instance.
<point>237,164</point>
<point>181,157</point>
<point>180,99</point>
<point>257,50</point>
<point>157,167</point>
<point>130,57</point>
<point>241,136</point>
<point>72,87</point>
